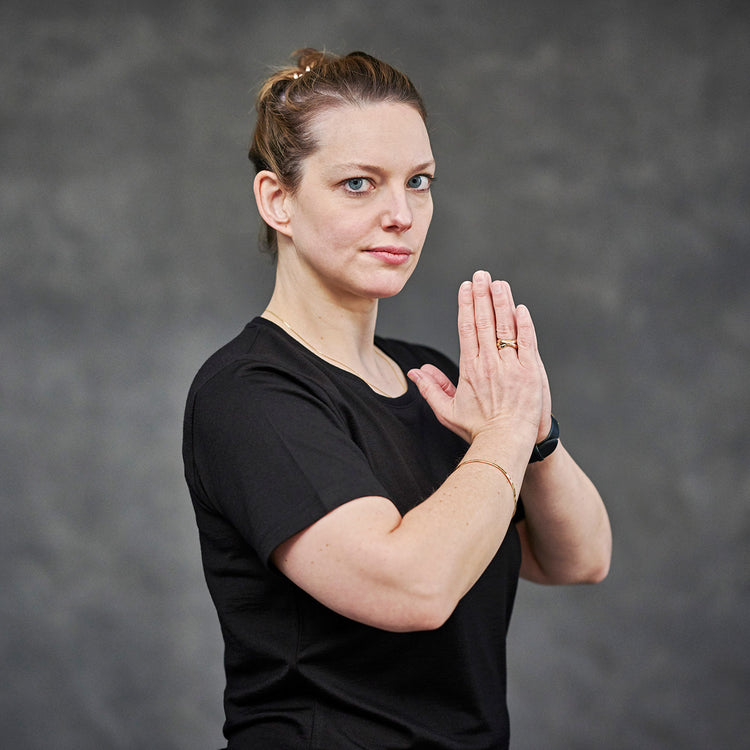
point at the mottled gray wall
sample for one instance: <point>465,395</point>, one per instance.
<point>593,153</point>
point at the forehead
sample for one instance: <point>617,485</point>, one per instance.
<point>382,133</point>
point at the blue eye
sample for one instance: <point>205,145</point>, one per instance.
<point>356,184</point>
<point>419,182</point>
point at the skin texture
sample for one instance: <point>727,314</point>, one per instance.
<point>350,235</point>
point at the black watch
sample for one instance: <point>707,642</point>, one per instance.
<point>543,449</point>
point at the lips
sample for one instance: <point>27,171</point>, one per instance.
<point>391,255</point>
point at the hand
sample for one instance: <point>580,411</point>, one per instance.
<point>497,389</point>
<point>545,423</point>
<point>503,298</point>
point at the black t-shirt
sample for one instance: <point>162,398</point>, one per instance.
<point>275,438</point>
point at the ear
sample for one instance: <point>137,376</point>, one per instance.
<point>271,199</point>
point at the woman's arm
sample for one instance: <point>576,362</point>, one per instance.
<point>365,560</point>
<point>566,536</point>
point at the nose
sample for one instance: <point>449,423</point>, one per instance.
<point>397,215</point>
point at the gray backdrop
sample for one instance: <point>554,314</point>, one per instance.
<point>593,153</point>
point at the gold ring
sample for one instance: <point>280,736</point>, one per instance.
<point>504,343</point>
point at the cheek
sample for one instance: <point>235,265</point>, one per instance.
<point>317,229</point>
<point>422,208</point>
<point>347,230</point>
<point>425,218</point>
<point>429,216</point>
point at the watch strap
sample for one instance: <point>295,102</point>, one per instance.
<point>546,446</point>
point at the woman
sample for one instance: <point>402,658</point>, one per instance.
<point>356,496</point>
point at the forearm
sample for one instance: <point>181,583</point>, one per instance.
<point>449,539</point>
<point>367,562</point>
<point>566,535</point>
<point>364,559</point>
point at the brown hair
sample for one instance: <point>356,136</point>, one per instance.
<point>289,100</point>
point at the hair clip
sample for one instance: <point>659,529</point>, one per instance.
<point>299,75</point>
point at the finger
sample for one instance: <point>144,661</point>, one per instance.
<point>467,332</point>
<point>484,312</point>
<point>505,310</point>
<point>526,336</point>
<point>546,423</point>
<point>440,378</point>
<point>432,390</point>
<point>546,393</point>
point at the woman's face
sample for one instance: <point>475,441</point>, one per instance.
<point>359,218</point>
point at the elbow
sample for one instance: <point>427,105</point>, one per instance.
<point>434,597</point>
<point>597,573</point>
<point>401,599</point>
<point>598,559</point>
<point>418,597</point>
<point>601,569</point>
<point>432,619</point>
<point>421,610</point>
<point>433,615</point>
<point>605,561</point>
<point>414,621</point>
<point>598,566</point>
<point>587,569</point>
<point>397,612</point>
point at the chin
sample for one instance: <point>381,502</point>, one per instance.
<point>391,284</point>
<point>384,291</point>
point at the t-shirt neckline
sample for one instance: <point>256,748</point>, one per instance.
<point>402,399</point>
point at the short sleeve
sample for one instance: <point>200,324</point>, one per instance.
<point>273,453</point>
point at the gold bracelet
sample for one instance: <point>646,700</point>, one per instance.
<point>500,469</point>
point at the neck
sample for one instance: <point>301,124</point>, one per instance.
<point>337,331</point>
<point>340,335</point>
<point>341,327</point>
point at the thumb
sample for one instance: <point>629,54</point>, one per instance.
<point>436,389</point>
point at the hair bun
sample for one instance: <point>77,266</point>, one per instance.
<point>308,58</point>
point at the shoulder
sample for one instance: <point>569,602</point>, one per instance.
<point>236,350</point>
<point>260,354</point>
<point>261,377</point>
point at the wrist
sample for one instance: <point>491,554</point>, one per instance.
<point>509,447</point>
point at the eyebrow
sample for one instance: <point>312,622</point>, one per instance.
<point>349,166</point>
